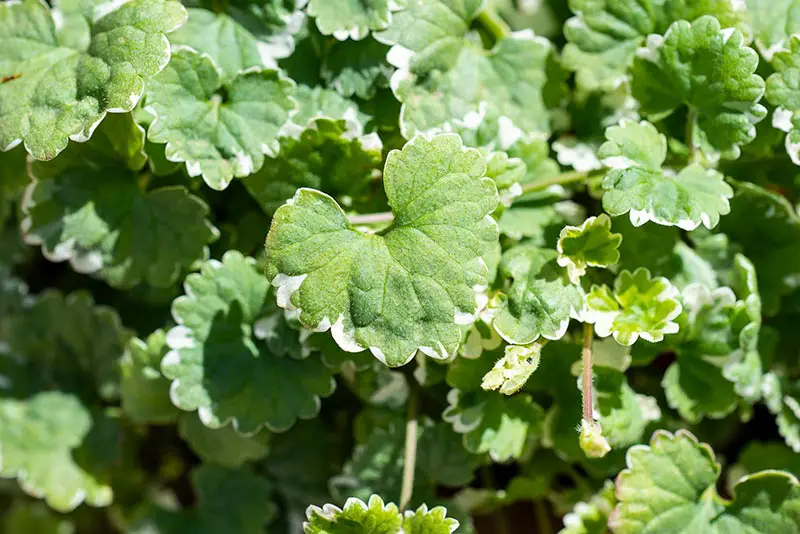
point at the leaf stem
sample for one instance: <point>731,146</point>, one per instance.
<point>691,122</point>
<point>493,24</point>
<point>410,459</point>
<point>371,218</point>
<point>563,178</point>
<point>588,403</point>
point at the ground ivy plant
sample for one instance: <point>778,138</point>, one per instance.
<point>401,267</point>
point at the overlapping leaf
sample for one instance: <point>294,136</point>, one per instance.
<point>221,128</point>
<point>604,36</point>
<point>590,245</point>
<point>636,183</point>
<point>783,90</point>
<point>540,299</point>
<point>143,389</point>
<point>711,71</point>
<point>323,157</point>
<point>376,517</point>
<point>233,359</point>
<point>68,68</point>
<point>88,207</point>
<point>405,290</point>
<point>639,306</point>
<point>671,484</point>
<point>491,422</point>
<point>443,76</point>
<point>222,446</point>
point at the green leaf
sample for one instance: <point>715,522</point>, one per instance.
<point>377,518</point>
<point>144,390</point>
<point>639,306</point>
<point>38,440</point>
<point>357,68</point>
<point>227,500</point>
<point>228,43</point>
<point>539,301</point>
<point>405,290</point>
<point>783,90</point>
<point>316,102</point>
<point>67,343</point>
<point>424,521</point>
<point>767,228</point>
<point>591,244</point>
<point>222,446</point>
<point>636,183</point>
<point>623,414</point>
<point>350,19</point>
<point>591,517</point>
<point>491,422</point>
<point>782,397</point>
<point>773,23</point>
<point>221,129</point>
<point>444,76</point>
<point>87,207</point>
<point>711,71</point>
<point>604,36</point>
<point>232,358</point>
<point>275,23</point>
<point>670,485</point>
<point>323,157</point>
<point>374,517</point>
<point>64,80</point>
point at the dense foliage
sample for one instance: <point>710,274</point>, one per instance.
<point>399,266</point>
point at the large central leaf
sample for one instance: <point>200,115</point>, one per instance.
<point>408,289</point>
<point>64,70</point>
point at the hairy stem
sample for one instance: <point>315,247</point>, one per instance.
<point>588,403</point>
<point>371,218</point>
<point>563,178</point>
<point>493,24</point>
<point>691,122</point>
<point>410,460</point>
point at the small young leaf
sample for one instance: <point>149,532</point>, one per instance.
<point>636,183</point>
<point>638,306</point>
<point>711,71</point>
<point>540,300</point>
<point>221,128</point>
<point>375,518</point>
<point>403,291</point>
<point>357,68</point>
<point>591,244</point>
